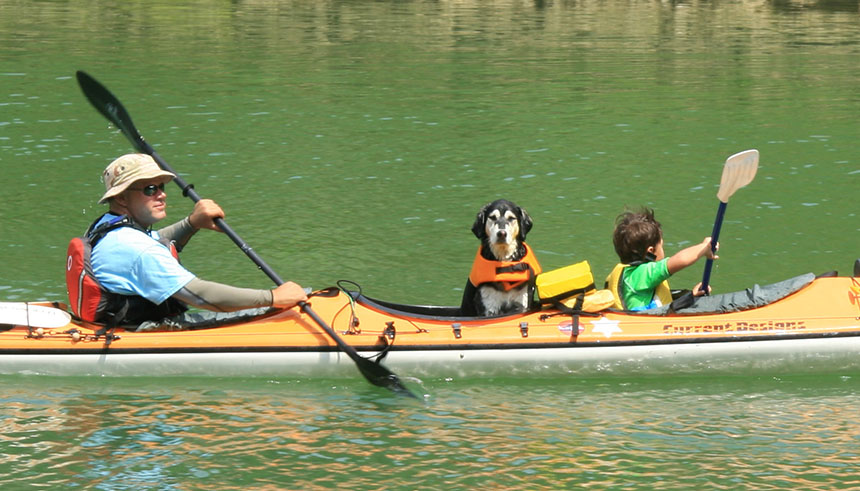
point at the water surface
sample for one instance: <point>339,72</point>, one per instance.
<point>357,140</point>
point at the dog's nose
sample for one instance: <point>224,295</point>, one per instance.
<point>502,234</point>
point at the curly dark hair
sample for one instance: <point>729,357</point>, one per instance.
<point>634,233</point>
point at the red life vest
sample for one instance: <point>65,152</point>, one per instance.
<point>88,299</point>
<point>510,274</point>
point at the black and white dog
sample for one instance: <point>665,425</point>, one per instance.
<point>502,277</point>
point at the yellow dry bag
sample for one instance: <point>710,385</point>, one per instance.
<point>558,284</point>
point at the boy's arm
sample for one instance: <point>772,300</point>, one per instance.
<point>690,255</point>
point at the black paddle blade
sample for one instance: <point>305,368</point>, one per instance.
<point>380,376</point>
<point>373,371</point>
<point>110,107</point>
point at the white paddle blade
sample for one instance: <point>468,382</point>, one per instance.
<point>24,314</point>
<point>739,171</point>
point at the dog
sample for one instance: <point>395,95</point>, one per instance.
<point>502,278</point>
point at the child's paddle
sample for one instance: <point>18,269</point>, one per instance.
<point>739,171</point>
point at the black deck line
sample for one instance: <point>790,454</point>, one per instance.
<point>114,349</point>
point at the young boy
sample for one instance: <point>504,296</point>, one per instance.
<point>640,280</point>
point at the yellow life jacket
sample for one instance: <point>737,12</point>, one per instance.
<point>510,274</point>
<point>613,283</point>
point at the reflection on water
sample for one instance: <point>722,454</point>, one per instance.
<point>681,433</point>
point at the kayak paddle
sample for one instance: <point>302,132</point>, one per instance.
<point>738,171</point>
<point>27,314</point>
<point>110,107</point>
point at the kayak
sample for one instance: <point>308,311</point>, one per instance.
<point>810,328</point>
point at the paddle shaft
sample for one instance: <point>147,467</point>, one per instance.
<point>188,190</point>
<point>374,372</point>
<point>715,237</point>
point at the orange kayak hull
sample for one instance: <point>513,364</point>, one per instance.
<point>814,330</point>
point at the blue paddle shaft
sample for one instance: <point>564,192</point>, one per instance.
<point>715,237</point>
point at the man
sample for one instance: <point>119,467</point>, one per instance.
<point>130,259</point>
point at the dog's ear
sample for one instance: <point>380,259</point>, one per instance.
<point>478,227</point>
<point>525,223</point>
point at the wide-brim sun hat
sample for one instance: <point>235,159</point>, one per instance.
<point>128,169</point>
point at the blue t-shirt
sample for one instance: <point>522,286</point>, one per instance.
<point>131,262</point>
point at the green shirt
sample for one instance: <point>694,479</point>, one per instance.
<point>639,282</point>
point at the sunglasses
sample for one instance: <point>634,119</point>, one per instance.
<point>150,190</point>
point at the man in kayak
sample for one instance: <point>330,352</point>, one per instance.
<point>640,280</point>
<point>134,263</point>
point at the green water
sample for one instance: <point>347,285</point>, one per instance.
<point>798,433</point>
<point>357,140</point>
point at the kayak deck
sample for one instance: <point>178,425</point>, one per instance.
<point>816,329</point>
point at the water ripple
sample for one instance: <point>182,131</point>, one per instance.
<point>505,433</point>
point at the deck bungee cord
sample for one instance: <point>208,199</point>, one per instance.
<point>353,320</point>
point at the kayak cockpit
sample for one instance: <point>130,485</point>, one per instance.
<point>750,298</point>
<point>433,312</point>
<point>429,312</point>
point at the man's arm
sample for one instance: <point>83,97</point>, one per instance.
<point>179,233</point>
<point>210,295</point>
<point>202,216</point>
<point>225,298</point>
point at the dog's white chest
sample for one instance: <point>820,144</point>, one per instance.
<point>498,301</point>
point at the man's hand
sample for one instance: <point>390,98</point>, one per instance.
<point>204,214</point>
<point>288,295</point>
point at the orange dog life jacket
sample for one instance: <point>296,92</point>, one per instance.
<point>510,274</point>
